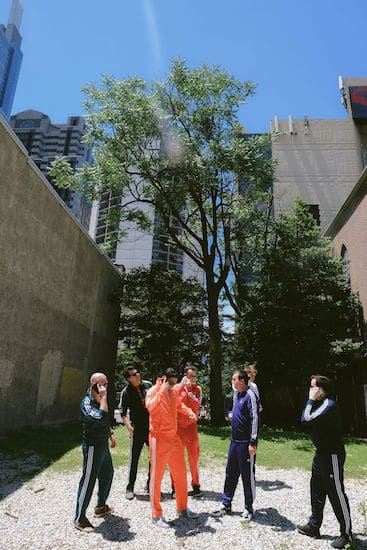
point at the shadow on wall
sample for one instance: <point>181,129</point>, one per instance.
<point>26,453</point>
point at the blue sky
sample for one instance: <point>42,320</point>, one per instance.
<point>293,49</point>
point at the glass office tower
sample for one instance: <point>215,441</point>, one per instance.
<point>10,58</point>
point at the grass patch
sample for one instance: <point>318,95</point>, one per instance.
<point>59,448</point>
<point>280,449</point>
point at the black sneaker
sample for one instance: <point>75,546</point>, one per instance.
<point>196,492</point>
<point>84,525</point>
<point>222,511</point>
<point>146,489</point>
<point>309,531</point>
<point>102,511</point>
<point>342,541</point>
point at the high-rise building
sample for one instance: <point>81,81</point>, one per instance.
<point>10,58</point>
<point>44,141</point>
<point>137,248</point>
<point>320,160</point>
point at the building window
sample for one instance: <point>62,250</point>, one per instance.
<point>345,257</point>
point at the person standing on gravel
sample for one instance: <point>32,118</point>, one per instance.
<point>97,461</point>
<point>242,449</point>
<point>135,416</point>
<point>165,445</point>
<point>190,394</point>
<point>322,415</point>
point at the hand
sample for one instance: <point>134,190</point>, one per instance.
<point>102,390</point>
<point>165,384</point>
<point>113,441</point>
<point>186,382</point>
<point>252,450</point>
<point>130,429</point>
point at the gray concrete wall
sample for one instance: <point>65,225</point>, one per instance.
<point>58,307</point>
<point>319,161</point>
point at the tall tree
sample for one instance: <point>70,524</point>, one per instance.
<point>298,315</point>
<point>162,320</point>
<point>177,147</point>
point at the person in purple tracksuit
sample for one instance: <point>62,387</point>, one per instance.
<point>242,450</point>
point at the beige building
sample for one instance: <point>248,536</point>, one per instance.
<point>320,160</point>
<point>59,308</point>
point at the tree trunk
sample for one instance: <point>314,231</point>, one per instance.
<point>215,361</point>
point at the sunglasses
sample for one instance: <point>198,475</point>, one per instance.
<point>134,373</point>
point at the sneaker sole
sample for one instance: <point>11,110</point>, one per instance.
<point>315,536</point>
<point>104,514</point>
<point>84,529</point>
<point>214,515</point>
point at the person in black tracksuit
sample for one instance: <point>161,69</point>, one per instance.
<point>242,449</point>
<point>135,416</point>
<point>97,461</point>
<point>322,415</point>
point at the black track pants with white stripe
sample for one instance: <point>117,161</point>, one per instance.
<point>97,464</point>
<point>328,480</point>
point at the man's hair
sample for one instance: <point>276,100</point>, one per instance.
<point>242,375</point>
<point>190,367</point>
<point>127,371</point>
<point>250,368</point>
<point>171,373</point>
<point>323,382</point>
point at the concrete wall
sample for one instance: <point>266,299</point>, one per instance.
<point>58,308</point>
<point>318,160</point>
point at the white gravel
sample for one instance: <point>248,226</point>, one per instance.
<point>36,514</point>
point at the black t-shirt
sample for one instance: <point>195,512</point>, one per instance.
<point>131,401</point>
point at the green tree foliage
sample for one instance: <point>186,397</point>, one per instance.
<point>161,321</point>
<point>176,147</point>
<point>298,314</point>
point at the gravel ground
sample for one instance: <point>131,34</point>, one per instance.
<point>36,513</point>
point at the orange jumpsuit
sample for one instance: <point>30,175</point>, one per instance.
<point>188,431</point>
<point>165,446</point>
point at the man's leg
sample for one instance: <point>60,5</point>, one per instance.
<point>336,494</point>
<point>193,451</point>
<point>177,466</point>
<point>136,444</point>
<point>232,475</point>
<point>320,472</point>
<point>158,461</point>
<point>247,469</point>
<point>105,476</point>
<point>146,441</point>
<point>87,482</point>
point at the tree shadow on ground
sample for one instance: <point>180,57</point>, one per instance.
<point>275,485</point>
<point>192,526</point>
<point>271,516</point>
<point>115,529</point>
<point>26,453</point>
<point>209,495</point>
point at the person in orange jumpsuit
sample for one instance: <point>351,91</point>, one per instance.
<point>190,394</point>
<point>165,445</point>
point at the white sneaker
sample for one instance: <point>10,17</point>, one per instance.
<point>247,516</point>
<point>221,511</point>
<point>160,521</point>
